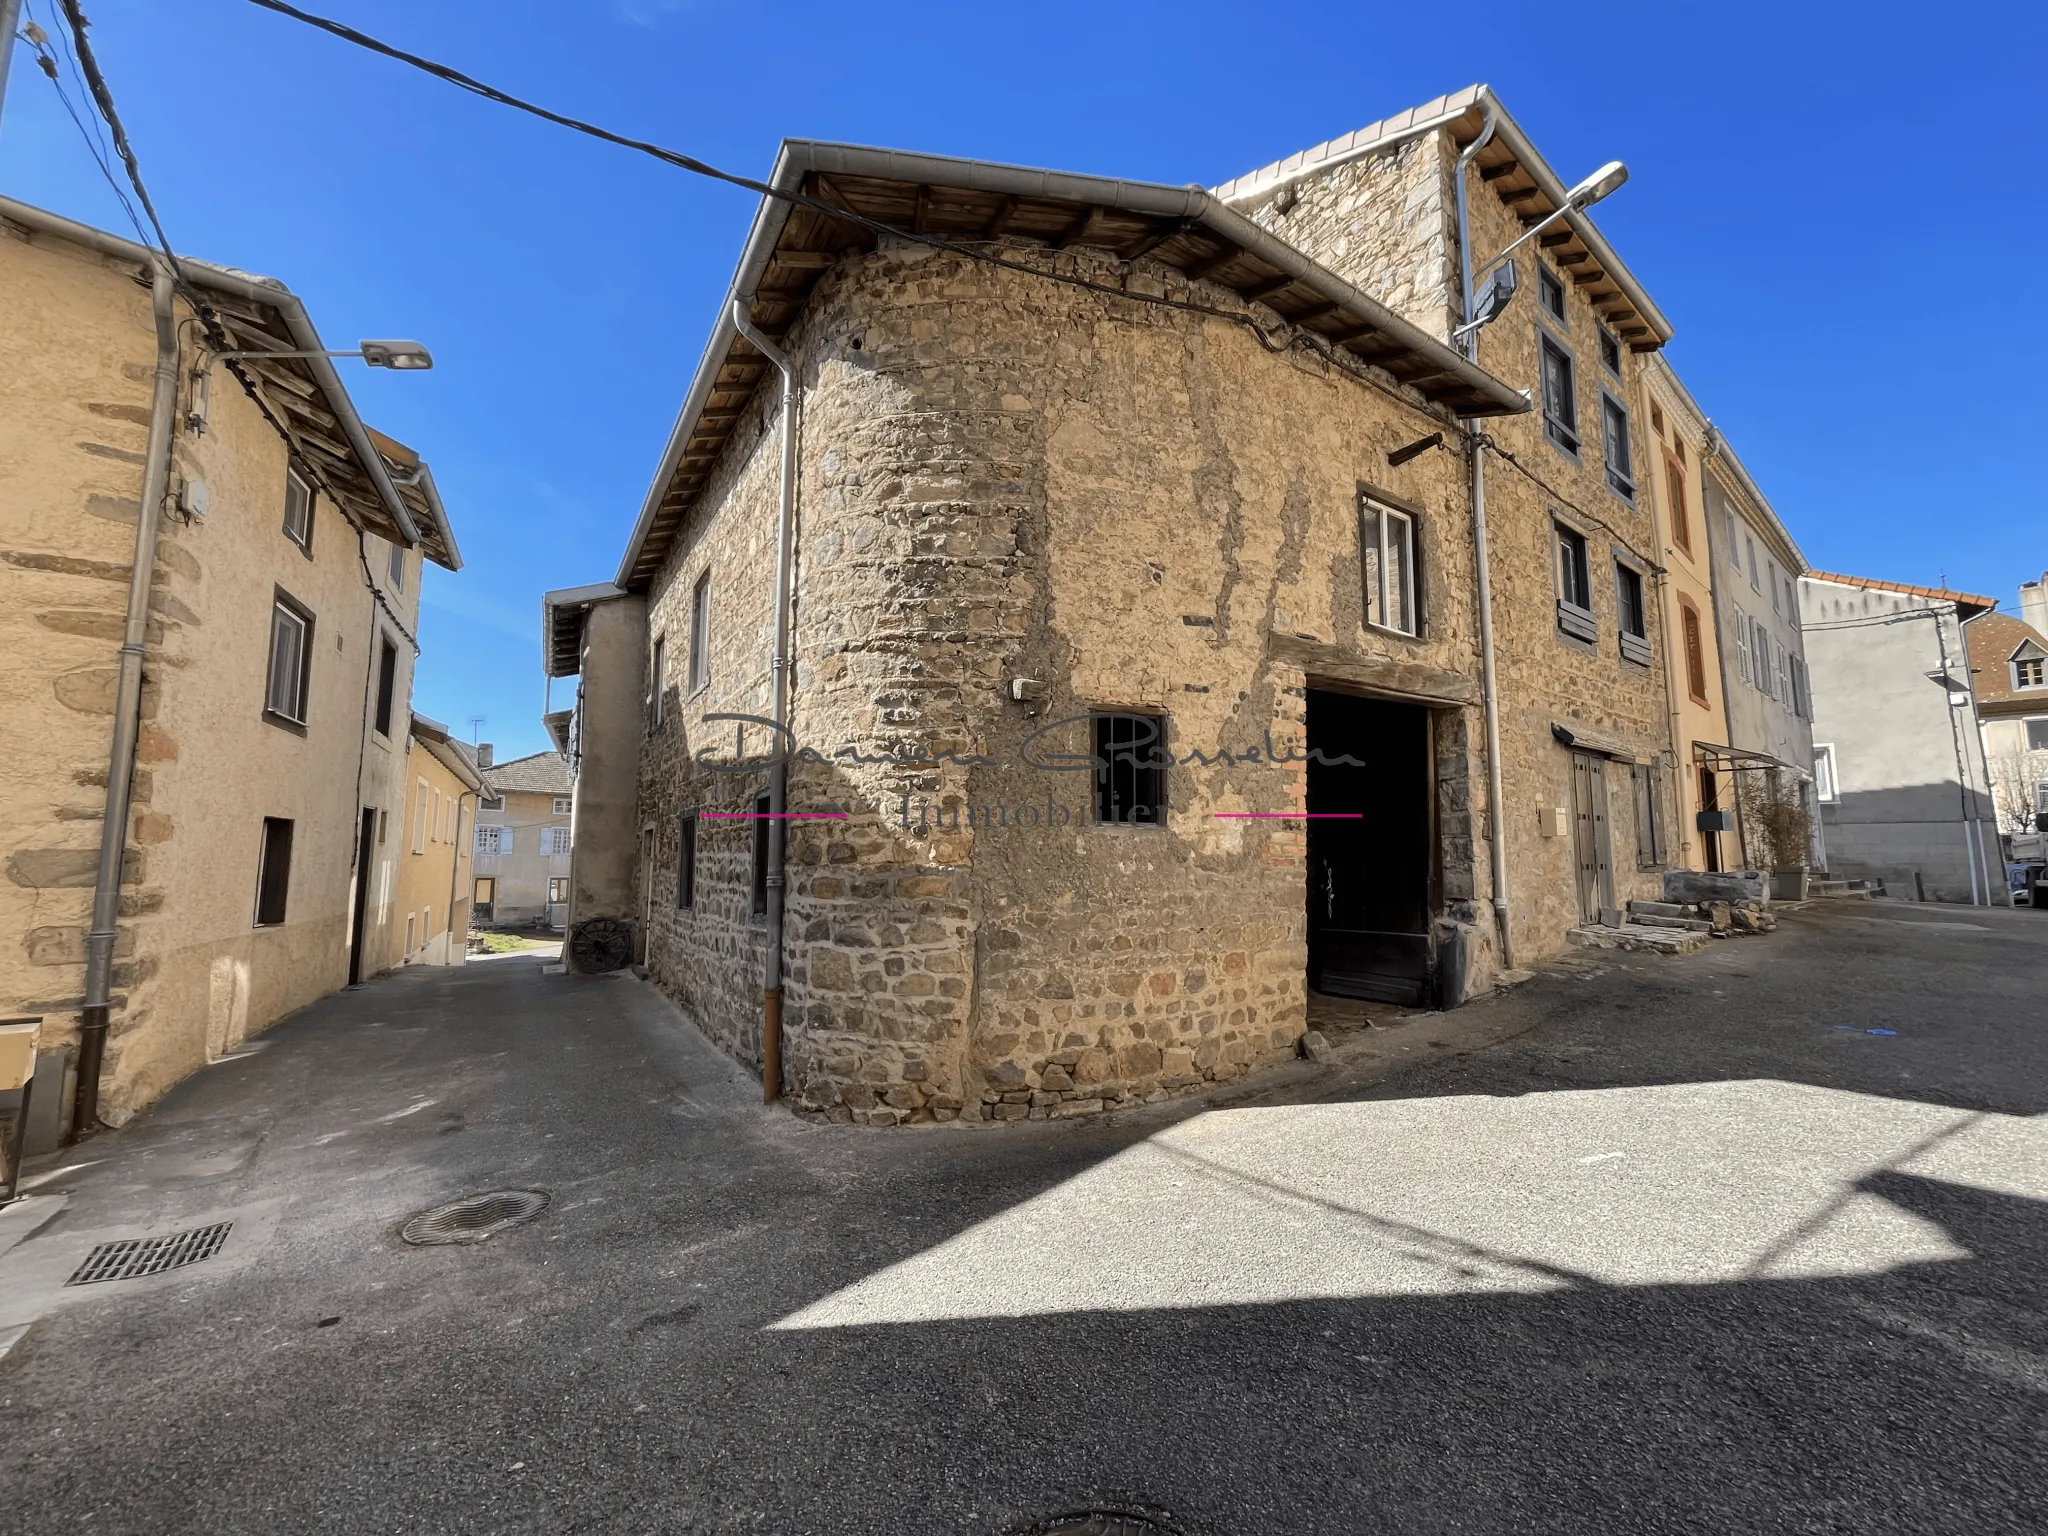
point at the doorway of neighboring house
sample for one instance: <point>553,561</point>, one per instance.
<point>1591,842</point>
<point>1371,799</point>
<point>646,896</point>
<point>359,917</point>
<point>484,899</point>
<point>1710,800</point>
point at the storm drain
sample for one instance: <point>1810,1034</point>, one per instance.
<point>475,1218</point>
<point>133,1257</point>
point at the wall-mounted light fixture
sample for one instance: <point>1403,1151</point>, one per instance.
<point>1415,450</point>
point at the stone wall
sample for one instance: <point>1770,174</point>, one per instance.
<point>1132,505</point>
<point>1386,223</point>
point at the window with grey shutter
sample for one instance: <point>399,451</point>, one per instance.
<point>298,511</point>
<point>1620,464</point>
<point>1630,613</point>
<point>1560,396</point>
<point>1574,585</point>
<point>1649,835</point>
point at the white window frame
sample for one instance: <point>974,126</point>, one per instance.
<point>286,699</point>
<point>419,817</point>
<point>1622,480</point>
<point>491,841</point>
<point>563,805</point>
<point>1561,411</point>
<point>1742,665</point>
<point>1384,531</point>
<point>1827,774</point>
<point>394,568</point>
<point>298,510</point>
<point>699,661</point>
<point>2040,662</point>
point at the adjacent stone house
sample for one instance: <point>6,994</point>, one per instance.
<point>2009,676</point>
<point>434,883</point>
<point>1137,689</point>
<point>1903,785</point>
<point>260,768</point>
<point>523,840</point>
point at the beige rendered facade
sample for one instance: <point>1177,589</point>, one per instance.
<point>1220,497</point>
<point>522,844</point>
<point>2009,676</point>
<point>1699,720</point>
<point>432,899</point>
<point>276,656</point>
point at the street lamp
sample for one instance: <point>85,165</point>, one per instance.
<point>1583,196</point>
<point>399,356</point>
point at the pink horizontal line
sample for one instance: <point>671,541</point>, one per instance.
<point>775,815</point>
<point>1290,815</point>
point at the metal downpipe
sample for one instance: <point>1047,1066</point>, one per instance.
<point>106,891</point>
<point>778,772</point>
<point>1496,839</point>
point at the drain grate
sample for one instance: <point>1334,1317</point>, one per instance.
<point>476,1218</point>
<point>133,1257</point>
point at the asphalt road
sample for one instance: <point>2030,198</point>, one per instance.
<point>1647,1245</point>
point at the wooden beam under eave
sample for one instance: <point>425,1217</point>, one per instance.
<point>1196,271</point>
<point>1075,229</point>
<point>1313,312</point>
<point>1556,237</point>
<point>1157,236</point>
<point>1501,172</point>
<point>807,261</point>
<point>1000,219</point>
<point>1268,288</point>
<point>1349,334</point>
<point>921,211</point>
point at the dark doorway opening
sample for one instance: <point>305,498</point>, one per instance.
<point>1710,800</point>
<point>359,919</point>
<point>1371,798</point>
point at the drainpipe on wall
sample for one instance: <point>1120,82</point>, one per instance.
<point>106,891</point>
<point>455,875</point>
<point>1489,690</point>
<point>1972,844</point>
<point>778,772</point>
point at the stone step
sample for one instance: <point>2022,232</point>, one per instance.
<point>1655,920</point>
<point>1851,890</point>
<point>1640,936</point>
<point>1659,909</point>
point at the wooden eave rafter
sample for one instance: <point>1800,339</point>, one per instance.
<point>1511,181</point>
<point>811,244</point>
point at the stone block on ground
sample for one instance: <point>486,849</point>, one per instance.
<point>1699,885</point>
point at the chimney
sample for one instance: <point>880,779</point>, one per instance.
<point>483,754</point>
<point>2034,603</point>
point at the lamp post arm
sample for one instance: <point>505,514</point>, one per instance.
<point>1523,239</point>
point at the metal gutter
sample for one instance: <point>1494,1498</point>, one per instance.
<point>800,157</point>
<point>256,290</point>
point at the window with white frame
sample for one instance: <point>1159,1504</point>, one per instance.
<point>700,632</point>
<point>1777,596</point>
<point>1734,539</point>
<point>563,805</point>
<point>1560,396</point>
<point>553,841</point>
<point>1574,584</point>
<point>1742,663</point>
<point>1827,787</point>
<point>1610,352</point>
<point>1621,474</point>
<point>491,841</point>
<point>2037,735</point>
<point>298,511</point>
<point>1631,615</point>
<point>1387,545</point>
<point>419,818</point>
<point>394,567</point>
<point>291,661</point>
<point>1762,661</point>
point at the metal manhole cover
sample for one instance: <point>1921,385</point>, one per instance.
<point>133,1257</point>
<point>1103,1522</point>
<point>473,1219</point>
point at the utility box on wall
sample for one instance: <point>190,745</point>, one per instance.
<point>1553,821</point>
<point>1716,821</point>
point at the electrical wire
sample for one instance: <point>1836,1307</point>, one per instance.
<point>1354,367</point>
<point>95,144</point>
<point>216,333</point>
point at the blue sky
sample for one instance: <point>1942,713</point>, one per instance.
<point>1837,207</point>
